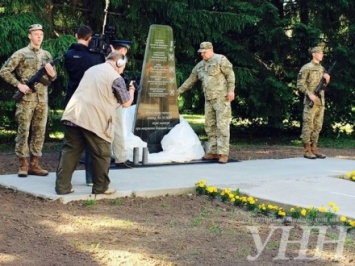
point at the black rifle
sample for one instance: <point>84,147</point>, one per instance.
<point>321,85</point>
<point>38,77</point>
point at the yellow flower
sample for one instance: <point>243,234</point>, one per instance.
<point>281,213</point>
<point>272,207</point>
<point>322,209</point>
<point>232,199</point>
<point>201,183</point>
<point>335,209</point>
<point>303,212</point>
<point>347,175</point>
<point>211,189</point>
<point>251,200</point>
<point>331,204</point>
<point>353,178</point>
<point>342,218</point>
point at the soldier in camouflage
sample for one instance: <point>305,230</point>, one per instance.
<point>32,110</point>
<point>218,82</point>
<point>308,78</point>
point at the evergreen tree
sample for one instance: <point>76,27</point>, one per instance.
<point>266,40</point>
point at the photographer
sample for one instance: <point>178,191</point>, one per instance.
<point>88,120</point>
<point>118,145</point>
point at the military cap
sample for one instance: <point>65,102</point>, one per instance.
<point>120,43</point>
<point>316,49</point>
<point>34,27</point>
<point>205,46</point>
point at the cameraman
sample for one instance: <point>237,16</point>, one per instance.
<point>88,119</point>
<point>77,60</point>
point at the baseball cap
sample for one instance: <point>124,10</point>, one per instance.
<point>121,43</point>
<point>34,27</point>
<point>316,49</point>
<point>205,46</point>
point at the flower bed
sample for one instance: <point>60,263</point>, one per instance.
<point>349,176</point>
<point>311,214</point>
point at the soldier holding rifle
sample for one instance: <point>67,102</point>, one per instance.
<point>313,112</point>
<point>32,109</point>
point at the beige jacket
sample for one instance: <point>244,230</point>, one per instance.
<point>93,104</point>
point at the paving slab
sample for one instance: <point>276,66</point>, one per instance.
<point>295,181</point>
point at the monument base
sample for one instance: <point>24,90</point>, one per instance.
<point>154,148</point>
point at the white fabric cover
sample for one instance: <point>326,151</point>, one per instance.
<point>181,144</point>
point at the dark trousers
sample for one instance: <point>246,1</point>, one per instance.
<point>87,162</point>
<point>75,140</point>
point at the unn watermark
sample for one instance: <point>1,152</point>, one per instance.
<point>303,241</point>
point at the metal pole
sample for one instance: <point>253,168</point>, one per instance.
<point>145,155</point>
<point>136,155</point>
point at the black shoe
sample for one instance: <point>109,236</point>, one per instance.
<point>71,191</point>
<point>108,191</point>
<point>129,163</point>
<point>125,164</point>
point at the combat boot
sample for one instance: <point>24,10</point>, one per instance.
<point>314,150</point>
<point>35,168</point>
<point>223,158</point>
<point>23,170</point>
<point>307,151</point>
<point>210,156</point>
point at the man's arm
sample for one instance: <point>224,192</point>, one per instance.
<point>6,72</point>
<point>124,97</point>
<point>50,69</point>
<point>302,78</point>
<point>227,70</point>
<point>192,79</point>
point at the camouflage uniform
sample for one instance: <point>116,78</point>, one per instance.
<point>217,77</point>
<point>307,81</point>
<point>32,110</point>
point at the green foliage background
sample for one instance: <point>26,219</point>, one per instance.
<point>267,42</point>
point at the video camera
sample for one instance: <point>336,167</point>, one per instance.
<point>100,43</point>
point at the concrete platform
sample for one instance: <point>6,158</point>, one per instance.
<point>297,182</point>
